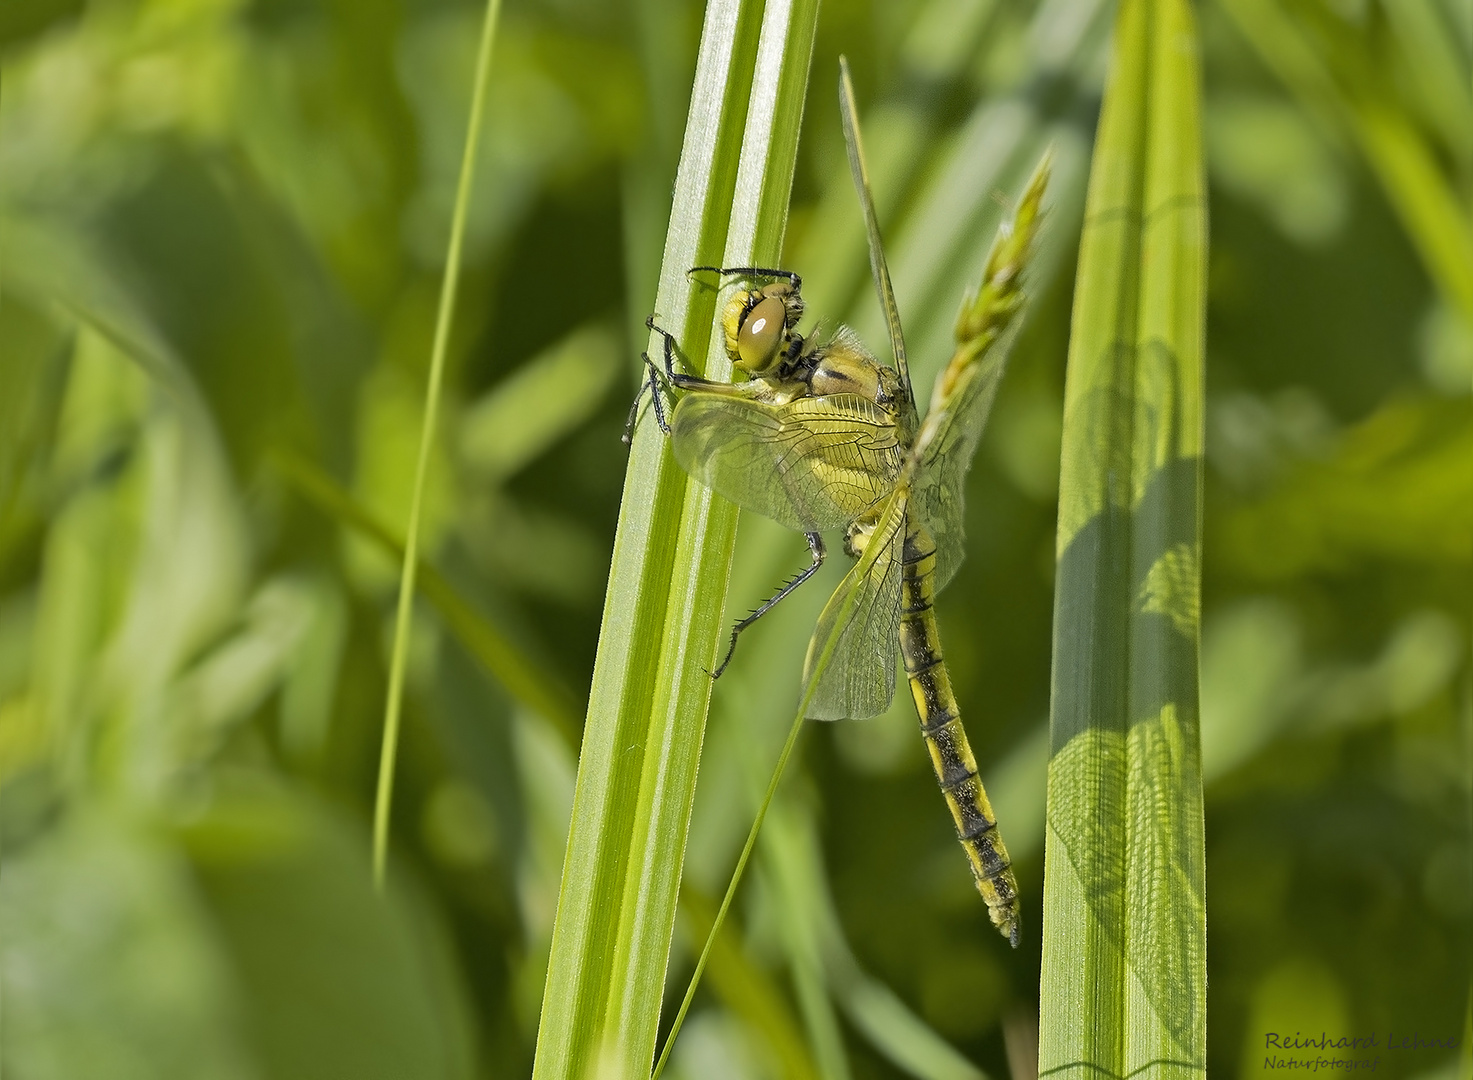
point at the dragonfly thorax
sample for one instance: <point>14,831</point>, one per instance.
<point>841,368</point>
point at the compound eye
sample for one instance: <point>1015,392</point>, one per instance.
<point>761,335</point>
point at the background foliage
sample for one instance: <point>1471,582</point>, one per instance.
<point>221,226</point>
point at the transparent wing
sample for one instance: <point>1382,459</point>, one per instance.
<point>947,442</point>
<point>859,629</point>
<point>877,264</point>
<point>814,463</point>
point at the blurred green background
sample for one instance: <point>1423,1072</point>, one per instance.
<point>221,228</point>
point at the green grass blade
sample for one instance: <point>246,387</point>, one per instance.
<point>445,317</point>
<point>1123,988</point>
<point>663,612</point>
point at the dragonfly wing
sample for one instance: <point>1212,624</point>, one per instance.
<point>947,443</point>
<point>853,651</point>
<point>810,464</point>
<point>878,268</point>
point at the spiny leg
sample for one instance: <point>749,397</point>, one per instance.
<point>672,353</point>
<point>750,271</point>
<point>651,384</point>
<point>815,547</point>
<point>669,348</point>
<point>628,437</point>
<point>652,381</point>
<point>655,398</point>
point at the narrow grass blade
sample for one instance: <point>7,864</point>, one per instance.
<point>662,614</point>
<point>446,316</point>
<point>1123,989</point>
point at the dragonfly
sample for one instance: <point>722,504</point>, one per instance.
<point>821,435</point>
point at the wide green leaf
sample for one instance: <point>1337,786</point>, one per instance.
<point>663,610</point>
<point>1123,989</point>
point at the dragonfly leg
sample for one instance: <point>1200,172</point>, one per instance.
<point>671,350</point>
<point>651,384</point>
<point>680,379</point>
<point>750,271</point>
<point>628,437</point>
<point>816,549</point>
<point>655,397</point>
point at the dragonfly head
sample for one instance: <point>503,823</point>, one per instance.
<point>759,325</point>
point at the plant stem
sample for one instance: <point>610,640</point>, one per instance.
<point>444,319</point>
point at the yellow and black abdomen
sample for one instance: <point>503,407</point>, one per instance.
<point>946,739</point>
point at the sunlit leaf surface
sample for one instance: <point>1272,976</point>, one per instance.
<point>1124,984</point>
